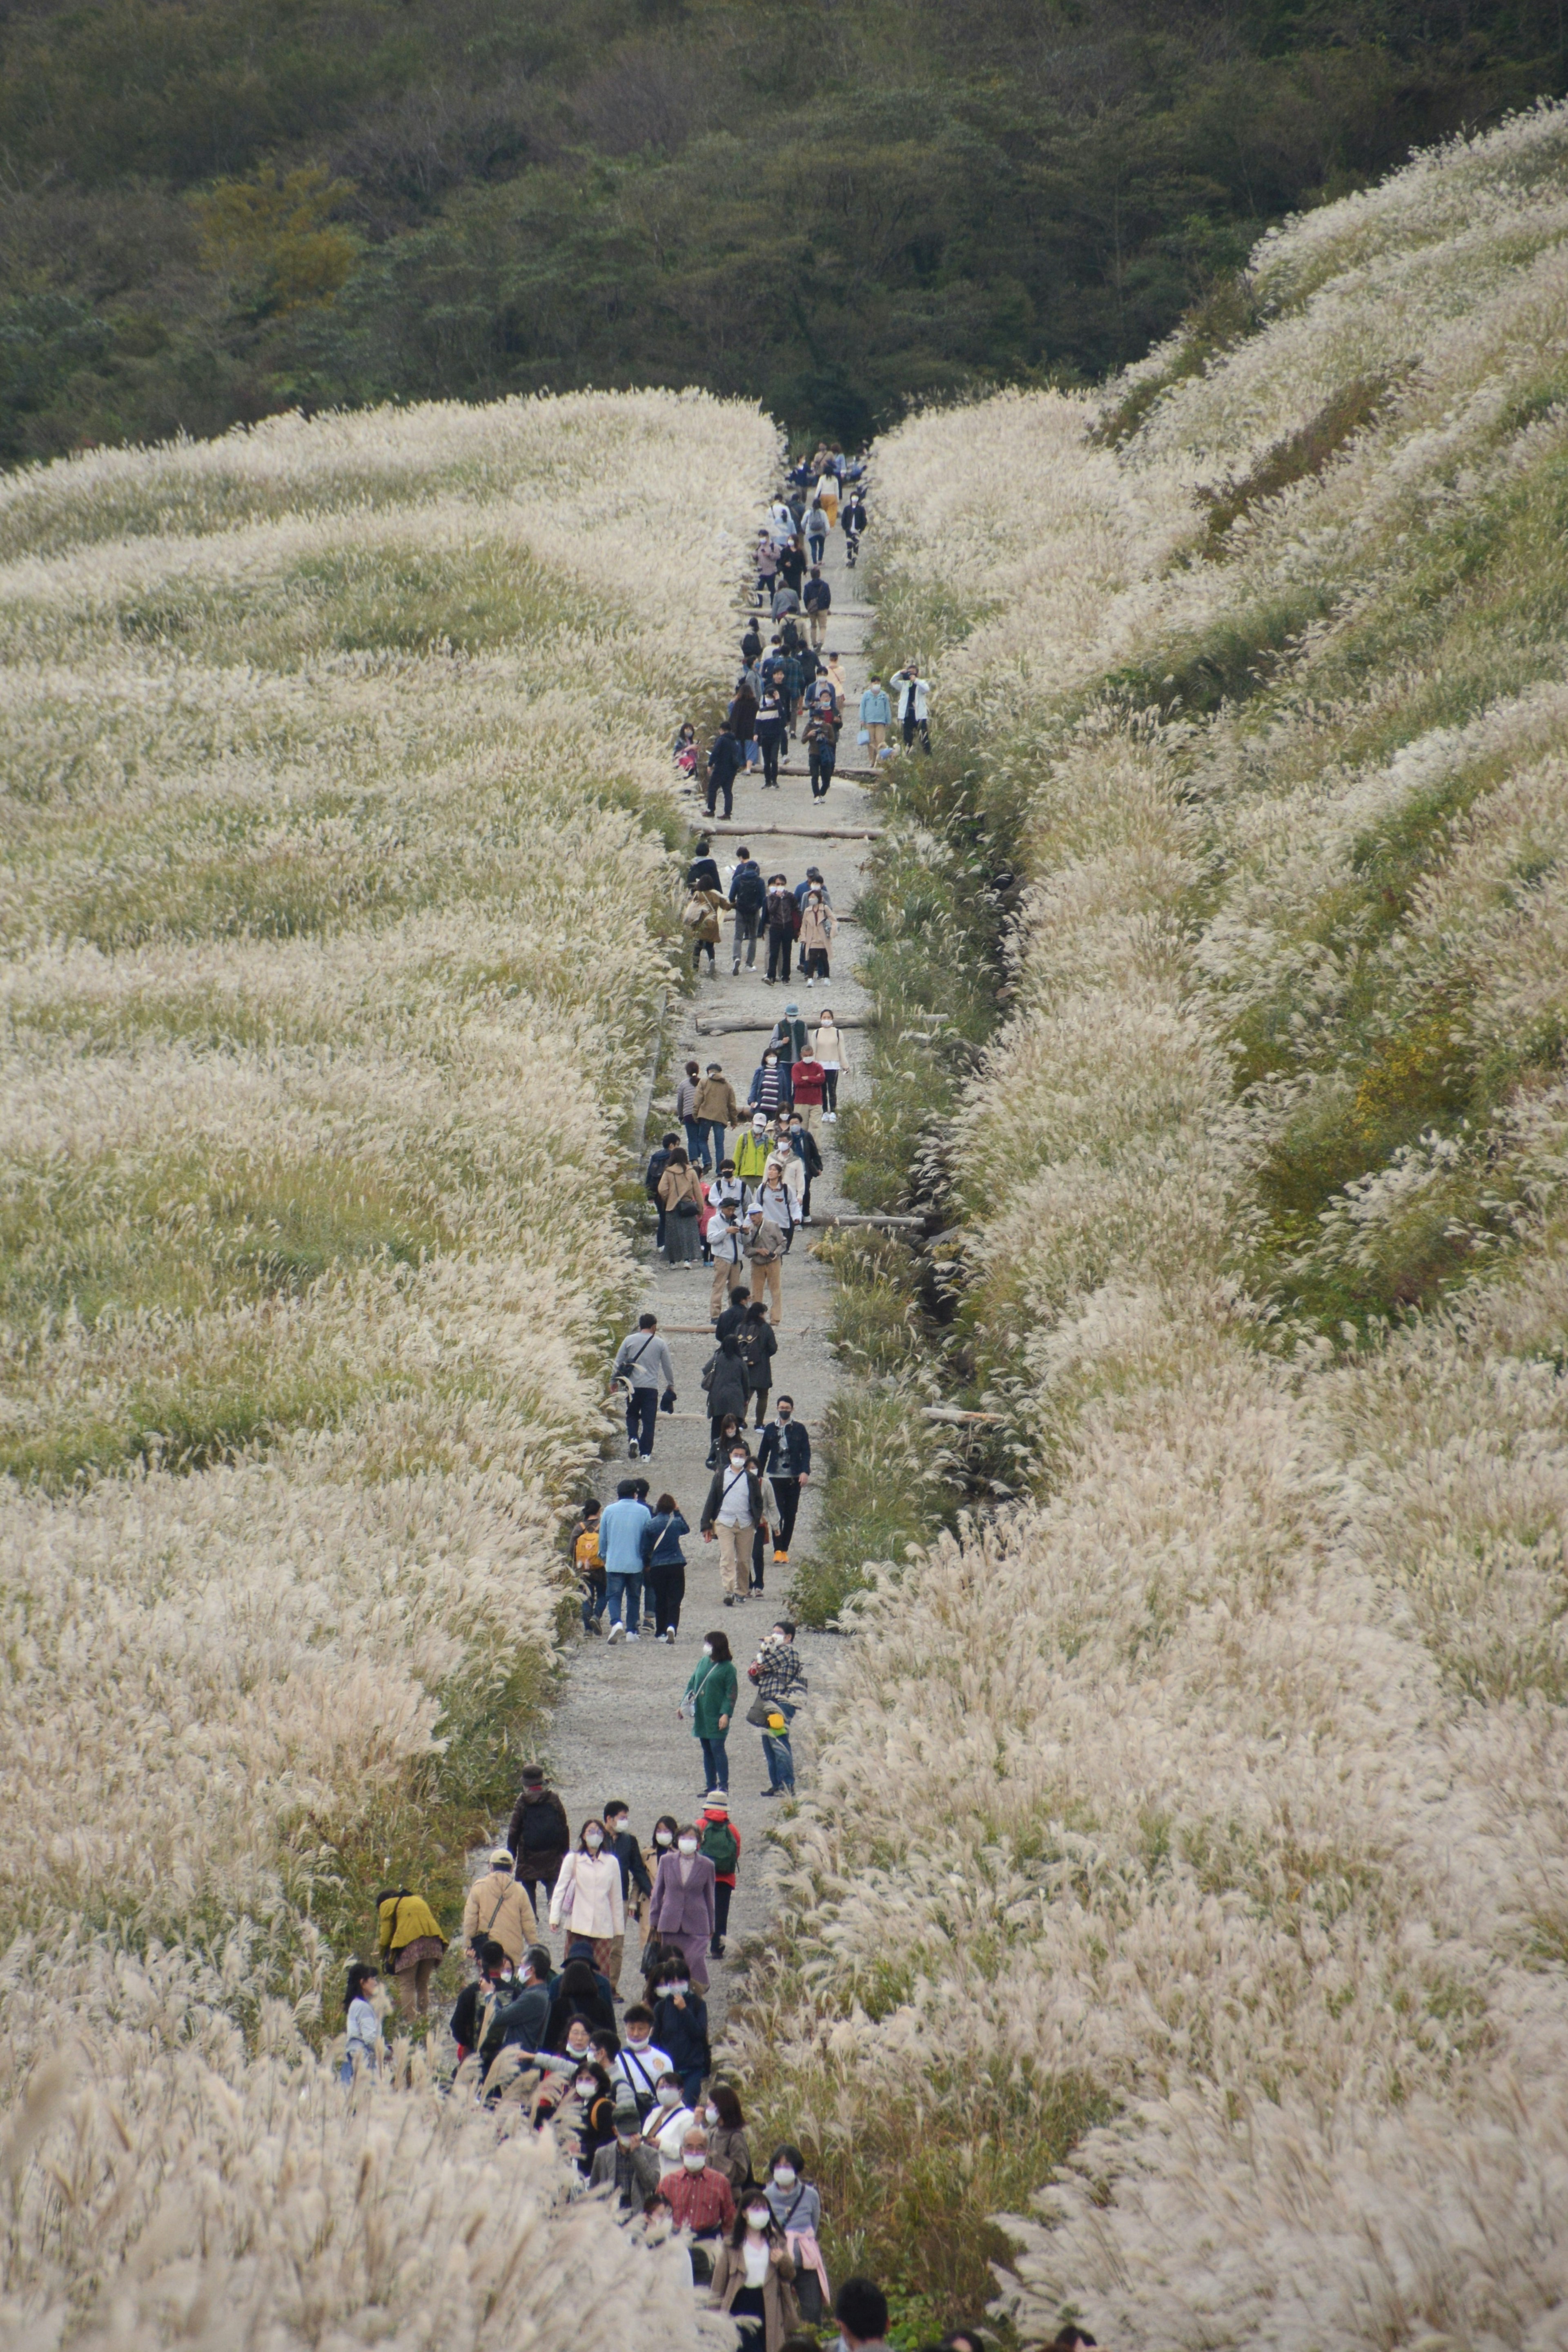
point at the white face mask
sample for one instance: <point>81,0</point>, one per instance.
<point>593,1840</point>
<point>737,1462</point>
<point>668,2097</point>
<point>785,2175</point>
<point>661,1837</point>
<point>710,2115</point>
<point>689,1845</point>
<point>677,1989</point>
<point>757,2219</point>
<point>708,1652</point>
<point>636,2038</point>
<point>693,2160</point>
<point>585,2083</point>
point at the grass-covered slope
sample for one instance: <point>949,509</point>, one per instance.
<point>1203,1815</point>
<point>337,903</point>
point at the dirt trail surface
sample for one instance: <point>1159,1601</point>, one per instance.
<point>618,1732</point>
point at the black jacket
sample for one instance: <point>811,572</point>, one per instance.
<point>733,1318</point>
<point>786,1450</point>
<point>702,874</point>
<point>759,1346</point>
<point>538,1835</point>
<point>634,1870</point>
<point>726,1389</point>
<point>724,756</point>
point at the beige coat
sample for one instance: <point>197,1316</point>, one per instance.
<point>781,2314</point>
<point>716,1099</point>
<point>715,907</point>
<point>680,1184</point>
<point>816,930</point>
<point>829,1045</point>
<point>498,1907</point>
<point>597,1908</point>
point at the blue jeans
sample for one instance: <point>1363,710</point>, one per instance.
<point>697,1142</point>
<point>625,1600</point>
<point>642,1417</point>
<point>710,1130</point>
<point>715,1763</point>
<point>778,1752</point>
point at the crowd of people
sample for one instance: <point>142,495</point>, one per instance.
<point>628,2087</point>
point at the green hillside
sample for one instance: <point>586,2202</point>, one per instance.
<point>210,213</point>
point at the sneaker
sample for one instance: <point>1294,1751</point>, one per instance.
<point>780,1559</point>
<point>729,1601</point>
<point>812,982</point>
<point>634,1637</point>
<point>615,1632</point>
<point>634,1452</point>
<point>670,1636</point>
<point>771,1793</point>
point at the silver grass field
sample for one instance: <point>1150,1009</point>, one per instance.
<point>339,903</point>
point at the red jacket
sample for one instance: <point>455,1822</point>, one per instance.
<point>701,2201</point>
<point>809,1079</point>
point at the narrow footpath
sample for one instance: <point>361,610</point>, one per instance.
<point>617,1731</point>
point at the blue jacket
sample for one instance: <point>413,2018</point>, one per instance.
<point>661,1540</point>
<point>876,710</point>
<point>621,1526</point>
<point>785,1451</point>
<point>682,2035</point>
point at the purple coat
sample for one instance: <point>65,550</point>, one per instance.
<point>683,1908</point>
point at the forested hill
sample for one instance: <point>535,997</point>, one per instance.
<point>213,211</point>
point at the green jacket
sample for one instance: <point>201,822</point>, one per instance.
<point>713,1687</point>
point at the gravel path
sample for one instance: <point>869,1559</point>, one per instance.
<point>617,1733</point>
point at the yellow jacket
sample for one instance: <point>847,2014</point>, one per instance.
<point>404,1918</point>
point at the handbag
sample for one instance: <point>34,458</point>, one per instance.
<point>757,1713</point>
<point>864,736</point>
<point>686,1207</point>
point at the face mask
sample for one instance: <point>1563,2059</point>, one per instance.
<point>737,1462</point>
<point>757,2218</point>
<point>577,2049</point>
<point>678,1988</point>
<point>693,2160</point>
<point>668,2097</point>
<point>662,1837</point>
<point>708,1652</point>
<point>617,1825</point>
<point>783,1412</point>
<point>785,2175</point>
<point>637,2037</point>
<point>586,2084</point>
<point>710,2115</point>
<point>689,1845</point>
<point>592,1840</point>
<point>628,2138</point>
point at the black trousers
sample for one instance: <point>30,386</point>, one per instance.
<point>722,1895</point>
<point>667,1586</point>
<point>642,1418</point>
<point>788,1492</point>
<point>727,788</point>
<point>781,947</point>
<point>770,741</point>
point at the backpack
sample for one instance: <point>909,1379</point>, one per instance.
<point>695,913</point>
<point>721,1845</point>
<point>747,892</point>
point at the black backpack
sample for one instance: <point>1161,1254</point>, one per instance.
<point>747,892</point>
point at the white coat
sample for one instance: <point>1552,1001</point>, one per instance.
<point>596,1907</point>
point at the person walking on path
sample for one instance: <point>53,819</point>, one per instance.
<point>821,753</point>
<point>783,921</point>
<point>816,532</point>
<point>643,1365</point>
<point>753,2279</point>
<point>765,1248</point>
<point>818,601</point>
<point>664,1578</point>
<point>637,1887</point>
<point>724,1380</point>
<point>855,519</point>
<point>769,1084</point>
<point>876,718</point>
<point>771,734</point>
<point>703,916</point>
<point>829,1048</point>
<point>725,757</point>
<point>748,898</point>
<point>587,1898</point>
<point>709,1700</point>
<point>717,1110</point>
<point>914,694</point>
<point>621,1528</point>
<point>759,1346</point>
<point>410,1937</point>
<point>624,2164</point>
<point>681,1912</point>
<point>788,1040</point>
<point>720,1840</point>
<point>729,2146</point>
<point>754,1152</point>
<point>680,1192</point>
<point>680,2020</point>
<point>686,1095</point>
<point>641,2062</point>
<point>781,1685</point>
<point>657,1161</point>
<point>730,1516</point>
<point>590,1568</point>
<point>725,1242</point>
<point>816,938</point>
<point>498,1910</point>
<point>700,2200</point>
<point>538,1835</point>
<point>784,1455</point>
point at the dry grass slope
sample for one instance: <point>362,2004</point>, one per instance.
<point>339,903</point>
<point>1205,1816</point>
